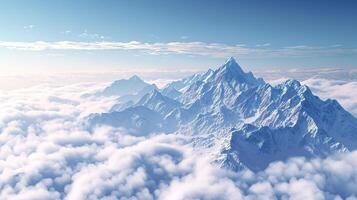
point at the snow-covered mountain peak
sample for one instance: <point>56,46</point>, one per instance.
<point>124,87</point>
<point>294,87</point>
<point>158,102</point>
<point>231,71</point>
<point>154,95</point>
<point>292,83</point>
<point>136,78</point>
<point>211,71</point>
<point>220,86</point>
<point>231,68</point>
<point>231,65</point>
<point>231,60</point>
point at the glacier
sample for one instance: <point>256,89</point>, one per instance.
<point>237,120</point>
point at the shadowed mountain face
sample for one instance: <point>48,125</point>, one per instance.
<point>240,120</point>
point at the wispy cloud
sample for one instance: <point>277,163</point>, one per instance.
<point>27,27</point>
<point>94,36</point>
<point>188,48</point>
<point>67,32</point>
<point>184,37</point>
<point>263,45</point>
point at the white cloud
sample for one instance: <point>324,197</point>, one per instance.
<point>67,32</point>
<point>27,27</point>
<point>263,45</point>
<point>184,37</point>
<point>302,74</point>
<point>93,36</point>
<point>45,153</point>
<point>343,91</point>
<point>189,48</point>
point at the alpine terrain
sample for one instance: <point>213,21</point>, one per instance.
<point>240,121</point>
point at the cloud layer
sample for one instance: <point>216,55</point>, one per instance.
<point>345,92</point>
<point>45,153</point>
<point>189,48</point>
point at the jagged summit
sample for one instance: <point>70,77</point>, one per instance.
<point>135,78</point>
<point>124,87</point>
<point>231,59</point>
<point>232,71</point>
<point>158,103</point>
<point>221,85</point>
<point>231,65</point>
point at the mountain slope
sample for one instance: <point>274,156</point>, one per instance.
<point>223,85</point>
<point>242,121</point>
<point>183,84</point>
<point>136,120</point>
<point>129,100</point>
<point>124,87</point>
<point>159,103</point>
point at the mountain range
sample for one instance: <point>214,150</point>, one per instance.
<point>236,119</point>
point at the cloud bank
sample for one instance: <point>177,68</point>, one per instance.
<point>189,48</point>
<point>45,153</point>
<point>344,91</point>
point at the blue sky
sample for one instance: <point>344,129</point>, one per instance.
<point>175,35</point>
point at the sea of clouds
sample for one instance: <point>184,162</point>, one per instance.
<point>47,153</point>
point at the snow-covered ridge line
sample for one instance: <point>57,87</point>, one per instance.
<point>258,120</point>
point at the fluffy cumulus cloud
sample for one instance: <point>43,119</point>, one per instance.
<point>47,153</point>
